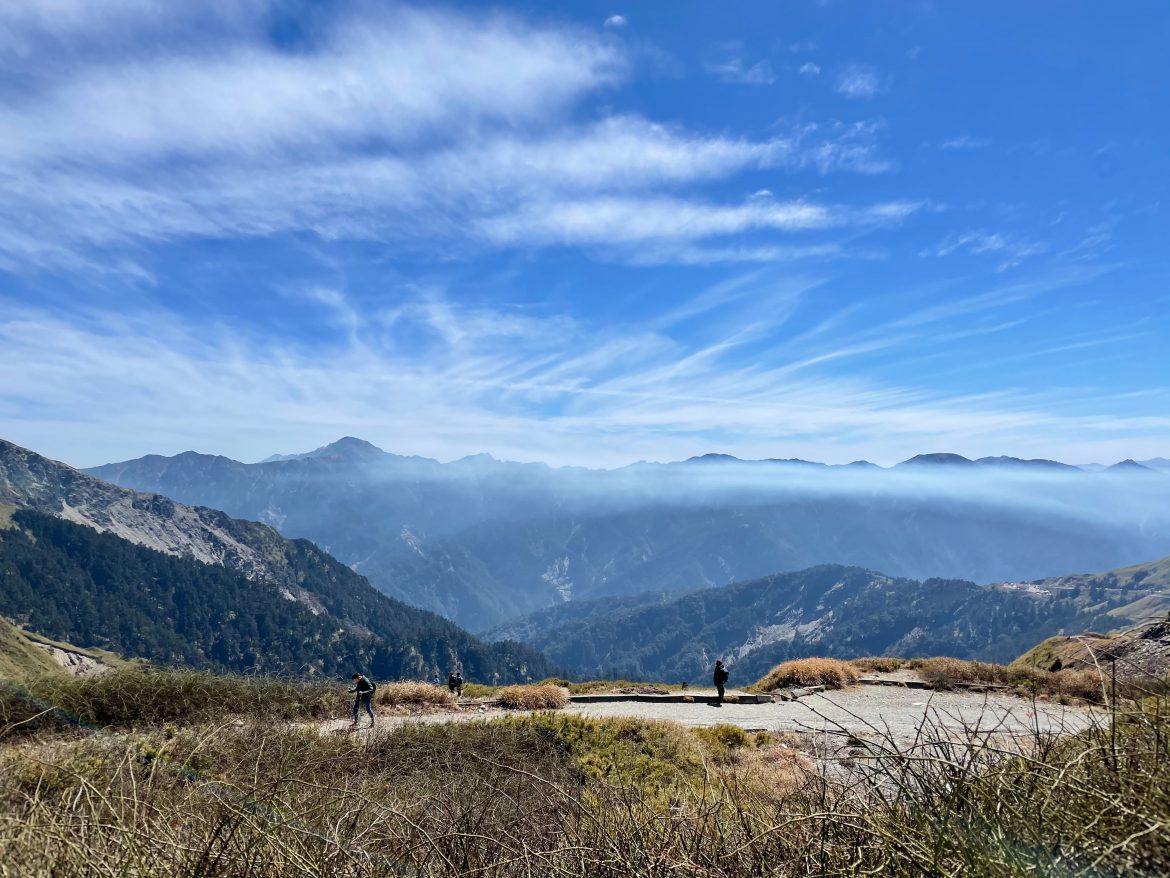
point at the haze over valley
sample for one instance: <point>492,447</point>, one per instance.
<point>482,541</point>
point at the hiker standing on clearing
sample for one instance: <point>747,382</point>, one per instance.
<point>459,683</point>
<point>452,682</point>
<point>720,678</point>
<point>364,696</point>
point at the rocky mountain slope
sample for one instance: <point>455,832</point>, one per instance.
<point>830,610</point>
<point>481,540</point>
<point>280,589</point>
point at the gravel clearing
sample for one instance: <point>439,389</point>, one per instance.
<point>864,711</point>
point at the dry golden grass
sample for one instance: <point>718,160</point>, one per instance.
<point>951,673</point>
<point>560,794</point>
<point>882,664</point>
<point>536,697</point>
<point>412,694</point>
<point>830,673</point>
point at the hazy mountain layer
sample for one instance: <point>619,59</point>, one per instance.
<point>193,585</point>
<point>837,611</point>
<point>481,540</point>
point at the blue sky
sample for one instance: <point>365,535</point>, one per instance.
<point>606,233</point>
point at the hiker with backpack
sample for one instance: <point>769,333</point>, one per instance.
<point>455,683</point>
<point>719,678</point>
<point>363,690</point>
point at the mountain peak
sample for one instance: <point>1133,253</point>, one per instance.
<point>1128,465</point>
<point>348,448</point>
<point>937,459</point>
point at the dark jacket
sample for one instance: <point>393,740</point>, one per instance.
<point>720,676</point>
<point>363,686</point>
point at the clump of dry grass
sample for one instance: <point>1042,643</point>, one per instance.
<point>535,697</point>
<point>951,673</point>
<point>882,664</point>
<point>830,673</point>
<point>413,694</point>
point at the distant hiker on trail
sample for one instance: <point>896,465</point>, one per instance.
<point>435,680</point>
<point>459,683</point>
<point>364,696</point>
<point>720,679</point>
<point>454,682</point>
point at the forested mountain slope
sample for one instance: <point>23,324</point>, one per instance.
<point>828,610</point>
<point>191,585</point>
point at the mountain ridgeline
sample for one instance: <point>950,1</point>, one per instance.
<point>144,576</point>
<point>482,541</point>
<point>832,610</point>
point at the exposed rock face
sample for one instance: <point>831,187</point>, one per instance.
<point>76,663</point>
<point>30,481</point>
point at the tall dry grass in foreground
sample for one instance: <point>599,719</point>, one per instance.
<point>560,795</point>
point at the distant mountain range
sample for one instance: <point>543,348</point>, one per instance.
<point>482,541</point>
<point>944,458</point>
<point>142,575</point>
<point>837,611</point>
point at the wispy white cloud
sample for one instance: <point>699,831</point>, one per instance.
<point>370,80</point>
<point>1010,250</point>
<point>688,253</point>
<point>859,81</point>
<point>965,141</point>
<point>434,376</point>
<point>615,21</point>
<point>731,67</point>
<point>734,70</point>
<point>629,221</point>
<point>27,26</point>
<point>398,124</point>
<point>450,192</point>
<point>810,69</point>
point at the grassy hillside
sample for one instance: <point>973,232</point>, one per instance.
<point>1140,655</point>
<point>1139,593</point>
<point>19,658</point>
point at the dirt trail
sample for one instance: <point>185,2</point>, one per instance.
<point>864,711</point>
